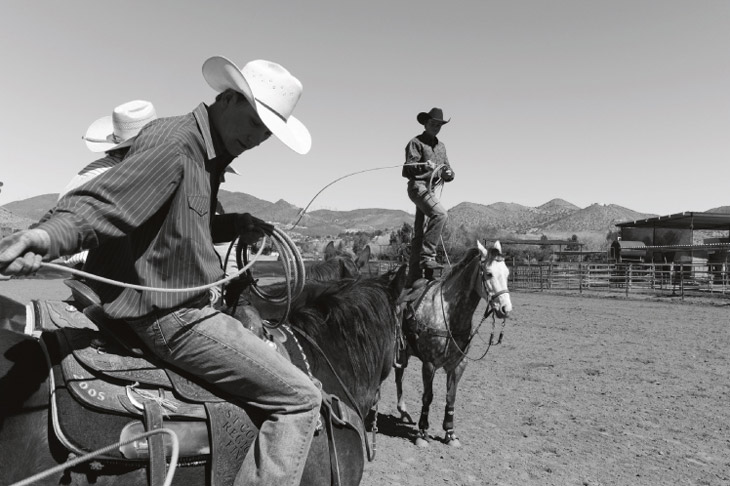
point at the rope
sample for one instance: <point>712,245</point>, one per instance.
<point>294,272</point>
<point>105,280</point>
<point>79,460</point>
<point>303,211</point>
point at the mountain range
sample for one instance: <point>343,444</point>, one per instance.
<point>555,219</point>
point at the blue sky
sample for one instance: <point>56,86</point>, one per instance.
<point>624,102</point>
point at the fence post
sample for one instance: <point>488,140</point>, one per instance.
<point>628,280</point>
<point>539,265</point>
<point>580,278</point>
<point>681,280</point>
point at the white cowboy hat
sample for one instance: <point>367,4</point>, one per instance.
<point>270,89</point>
<point>119,129</point>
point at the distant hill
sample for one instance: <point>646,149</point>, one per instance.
<point>9,222</point>
<point>721,210</point>
<point>32,208</point>
<point>555,219</point>
<point>595,217</point>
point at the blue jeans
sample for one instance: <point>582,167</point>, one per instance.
<point>426,240</point>
<point>217,348</point>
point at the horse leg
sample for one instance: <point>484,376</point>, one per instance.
<point>452,381</point>
<point>405,417</point>
<point>427,371</point>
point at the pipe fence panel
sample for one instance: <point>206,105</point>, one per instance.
<point>673,279</point>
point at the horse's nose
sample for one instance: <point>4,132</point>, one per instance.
<point>506,307</point>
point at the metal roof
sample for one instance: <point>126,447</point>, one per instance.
<point>686,220</point>
<point>507,241</point>
<point>623,244</point>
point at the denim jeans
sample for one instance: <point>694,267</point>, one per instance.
<point>427,205</point>
<point>217,348</point>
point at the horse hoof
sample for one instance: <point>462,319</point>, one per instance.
<point>406,418</point>
<point>421,442</point>
<point>453,443</point>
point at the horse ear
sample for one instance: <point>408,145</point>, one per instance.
<point>498,247</point>
<point>482,250</point>
<point>329,250</point>
<point>363,257</point>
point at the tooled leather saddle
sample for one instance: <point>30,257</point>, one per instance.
<point>106,388</point>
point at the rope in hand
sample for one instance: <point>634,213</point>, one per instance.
<point>91,276</point>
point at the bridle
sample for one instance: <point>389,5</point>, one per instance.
<point>490,298</point>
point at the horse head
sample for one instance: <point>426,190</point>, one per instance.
<point>339,263</point>
<point>494,275</point>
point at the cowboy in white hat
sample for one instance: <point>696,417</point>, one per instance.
<point>151,220</point>
<point>112,135</point>
<point>426,166</point>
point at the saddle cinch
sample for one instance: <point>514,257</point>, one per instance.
<point>105,389</point>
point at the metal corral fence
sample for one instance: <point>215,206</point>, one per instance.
<point>671,279</point>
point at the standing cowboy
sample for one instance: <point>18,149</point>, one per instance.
<point>150,221</point>
<point>426,166</point>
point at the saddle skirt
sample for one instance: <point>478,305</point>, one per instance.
<point>106,388</point>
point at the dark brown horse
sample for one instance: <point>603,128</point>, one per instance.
<point>438,327</point>
<point>342,331</point>
<point>337,264</point>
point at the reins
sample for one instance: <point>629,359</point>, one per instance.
<point>487,312</point>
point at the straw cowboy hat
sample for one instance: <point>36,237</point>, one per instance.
<point>118,130</point>
<point>270,89</point>
<point>435,114</point>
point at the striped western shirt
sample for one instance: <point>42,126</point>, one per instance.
<point>149,220</point>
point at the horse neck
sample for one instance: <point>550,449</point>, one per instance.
<point>460,289</point>
<point>463,283</point>
<point>317,358</point>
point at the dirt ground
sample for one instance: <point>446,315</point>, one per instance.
<point>583,391</point>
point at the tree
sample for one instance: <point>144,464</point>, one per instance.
<point>400,243</point>
<point>573,245</point>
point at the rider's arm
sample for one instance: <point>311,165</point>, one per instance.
<point>114,203</point>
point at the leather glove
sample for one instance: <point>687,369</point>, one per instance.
<point>250,229</point>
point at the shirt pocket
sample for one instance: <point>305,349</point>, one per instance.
<point>199,204</point>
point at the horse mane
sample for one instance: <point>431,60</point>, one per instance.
<point>352,320</point>
<point>466,260</point>
<point>333,268</point>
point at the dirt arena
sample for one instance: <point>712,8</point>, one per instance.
<point>583,391</point>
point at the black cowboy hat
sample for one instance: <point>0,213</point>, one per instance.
<point>435,114</point>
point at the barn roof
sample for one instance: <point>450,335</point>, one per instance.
<point>686,220</point>
<point>623,244</point>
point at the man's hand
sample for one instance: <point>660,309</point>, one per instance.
<point>250,229</point>
<point>447,174</point>
<point>21,253</point>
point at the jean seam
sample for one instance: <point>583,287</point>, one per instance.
<point>158,331</point>
<point>241,355</point>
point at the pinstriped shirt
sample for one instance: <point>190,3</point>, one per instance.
<point>149,220</point>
